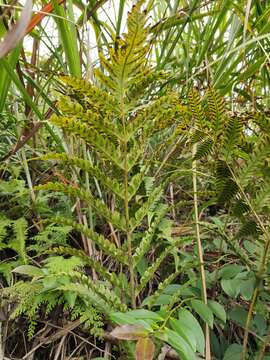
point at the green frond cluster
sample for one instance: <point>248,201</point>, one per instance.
<point>239,150</point>
<point>124,125</point>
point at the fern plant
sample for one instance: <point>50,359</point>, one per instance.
<point>116,122</point>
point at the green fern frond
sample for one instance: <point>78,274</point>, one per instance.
<point>216,110</point>
<point>107,246</point>
<point>196,109</point>
<point>162,286</point>
<point>128,60</point>
<point>240,208</point>
<point>4,223</point>
<point>111,277</point>
<point>145,208</point>
<point>114,217</point>
<point>198,136</point>
<point>205,148</point>
<point>19,242</point>
<point>87,166</point>
<point>102,290</point>
<point>104,148</point>
<point>89,95</point>
<point>232,135</point>
<point>227,191</point>
<point>150,271</point>
<point>249,229</point>
<point>255,162</point>
<point>91,297</point>
<point>262,196</point>
<point>145,242</point>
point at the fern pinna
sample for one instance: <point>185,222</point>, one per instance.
<point>115,117</point>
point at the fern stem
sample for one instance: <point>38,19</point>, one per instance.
<point>126,204</point>
<point>249,317</point>
<point>200,250</point>
<point>129,241</point>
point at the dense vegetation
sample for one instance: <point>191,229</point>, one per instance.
<point>135,180</point>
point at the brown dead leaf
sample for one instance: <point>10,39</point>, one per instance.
<point>17,32</point>
<point>145,349</point>
<point>128,332</point>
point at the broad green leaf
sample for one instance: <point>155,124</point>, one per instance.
<point>231,287</point>
<point>239,315</point>
<point>247,287</point>
<point>204,312</point>
<point>260,324</point>
<point>70,297</point>
<point>233,352</point>
<point>145,349</point>
<point>230,271</point>
<point>184,331</point>
<point>163,299</point>
<point>125,318</point>
<point>217,309</point>
<point>29,270</point>
<point>145,314</point>
<point>192,323</point>
<point>179,344</point>
<point>122,318</point>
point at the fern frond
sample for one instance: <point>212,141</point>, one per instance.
<point>87,166</point>
<point>89,95</point>
<point>150,271</point>
<point>100,144</point>
<point>19,242</point>
<point>216,110</point>
<point>232,135</point>
<point>4,223</point>
<point>107,246</point>
<point>128,60</point>
<point>89,295</point>
<point>198,136</point>
<point>226,186</point>
<point>249,229</point>
<point>255,161</point>
<point>102,290</point>
<point>196,109</point>
<point>88,261</point>
<point>205,148</point>
<point>114,217</point>
<point>240,208</point>
<point>145,242</point>
<point>161,287</point>
<point>262,196</point>
<point>145,208</point>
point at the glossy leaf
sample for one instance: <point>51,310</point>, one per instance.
<point>217,309</point>
<point>204,312</point>
<point>184,331</point>
<point>192,323</point>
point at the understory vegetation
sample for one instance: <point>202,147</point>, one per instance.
<point>135,180</point>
